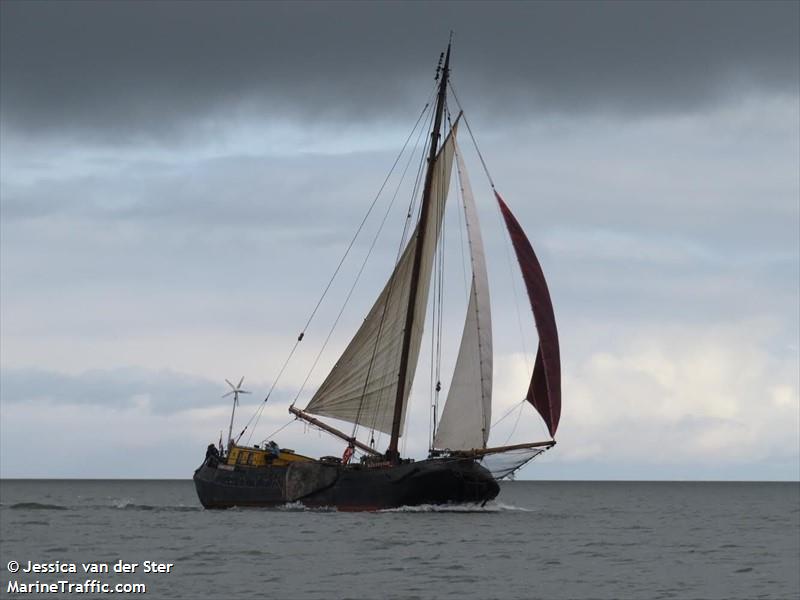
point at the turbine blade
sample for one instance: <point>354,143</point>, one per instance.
<point>230,384</point>
<point>240,382</point>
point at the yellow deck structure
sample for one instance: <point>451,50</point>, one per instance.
<point>259,457</point>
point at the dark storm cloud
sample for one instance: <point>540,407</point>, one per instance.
<point>122,69</point>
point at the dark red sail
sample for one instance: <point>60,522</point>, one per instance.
<point>544,391</point>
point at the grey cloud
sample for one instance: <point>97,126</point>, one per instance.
<point>160,392</point>
<point>232,191</point>
<point>664,219</point>
<point>113,255</point>
<point>122,70</point>
<point>727,179</point>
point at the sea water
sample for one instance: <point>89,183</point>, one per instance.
<point>538,540</point>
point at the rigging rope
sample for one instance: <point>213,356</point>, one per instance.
<point>505,246</point>
<point>300,337</point>
<point>432,398</point>
<point>277,431</point>
<point>403,240</point>
<point>360,271</point>
<point>437,388</point>
<point>509,411</point>
<point>474,142</point>
<point>440,302</point>
<point>400,249</point>
<point>516,423</point>
<point>438,293</point>
<point>526,354</point>
<point>437,313</point>
<point>461,227</point>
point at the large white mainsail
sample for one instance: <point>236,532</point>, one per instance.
<point>467,414</point>
<point>362,387</point>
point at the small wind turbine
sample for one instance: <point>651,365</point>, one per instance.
<point>235,390</point>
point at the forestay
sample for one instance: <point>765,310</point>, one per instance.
<point>362,386</point>
<point>467,414</point>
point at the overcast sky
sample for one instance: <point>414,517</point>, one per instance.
<point>178,181</point>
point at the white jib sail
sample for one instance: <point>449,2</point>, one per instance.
<point>362,386</point>
<point>467,414</point>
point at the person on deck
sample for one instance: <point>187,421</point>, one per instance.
<point>273,449</point>
<point>348,453</point>
<point>212,455</point>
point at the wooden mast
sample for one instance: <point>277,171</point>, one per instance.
<point>392,453</point>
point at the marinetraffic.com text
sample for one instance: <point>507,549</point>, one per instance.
<point>80,578</point>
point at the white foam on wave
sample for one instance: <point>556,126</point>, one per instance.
<point>298,506</point>
<point>489,507</point>
<point>511,507</point>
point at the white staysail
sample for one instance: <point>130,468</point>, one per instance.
<point>467,414</point>
<point>362,387</point>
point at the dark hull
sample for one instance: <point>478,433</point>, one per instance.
<point>436,481</point>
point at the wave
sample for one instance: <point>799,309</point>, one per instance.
<point>177,508</point>
<point>37,506</point>
<point>115,504</point>
<point>490,507</point>
<point>129,504</point>
<point>294,507</point>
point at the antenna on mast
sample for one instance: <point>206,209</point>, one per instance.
<point>235,391</point>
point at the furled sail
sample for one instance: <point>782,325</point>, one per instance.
<point>362,386</point>
<point>467,414</point>
<point>544,391</point>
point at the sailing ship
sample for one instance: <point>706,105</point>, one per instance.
<point>369,385</point>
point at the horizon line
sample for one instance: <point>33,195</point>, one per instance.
<point>2,479</point>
